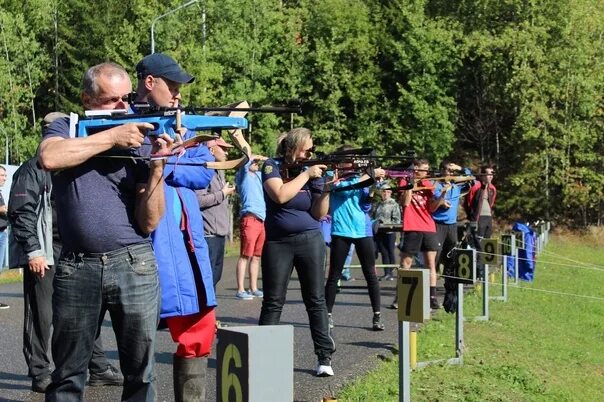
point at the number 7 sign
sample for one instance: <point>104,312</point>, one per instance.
<point>413,295</point>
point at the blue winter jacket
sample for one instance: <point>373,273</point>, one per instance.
<point>179,294</point>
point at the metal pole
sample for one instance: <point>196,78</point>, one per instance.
<point>404,388</point>
<point>459,324</point>
<point>516,268</point>
<point>485,294</point>
<point>162,16</point>
<point>504,280</point>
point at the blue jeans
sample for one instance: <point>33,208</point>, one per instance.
<point>306,252</point>
<point>124,282</point>
<point>3,244</point>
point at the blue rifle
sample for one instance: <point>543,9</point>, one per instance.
<point>163,122</point>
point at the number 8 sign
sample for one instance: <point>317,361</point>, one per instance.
<point>466,265</point>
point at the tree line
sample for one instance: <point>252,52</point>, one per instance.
<point>514,83</point>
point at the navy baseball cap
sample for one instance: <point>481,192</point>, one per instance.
<point>161,65</point>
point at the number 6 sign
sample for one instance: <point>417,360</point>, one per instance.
<point>413,295</point>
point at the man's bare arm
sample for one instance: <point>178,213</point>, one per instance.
<point>60,153</point>
<point>150,201</point>
<point>150,204</point>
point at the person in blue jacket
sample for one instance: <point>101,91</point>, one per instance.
<point>185,274</point>
<point>351,224</point>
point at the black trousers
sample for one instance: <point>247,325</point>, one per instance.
<point>339,249</point>
<point>306,252</point>
<point>447,237</point>
<point>385,246</point>
<point>37,324</point>
<point>484,230</point>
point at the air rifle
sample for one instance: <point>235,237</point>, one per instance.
<point>291,106</point>
<point>355,160</point>
<point>163,122</point>
<point>362,160</point>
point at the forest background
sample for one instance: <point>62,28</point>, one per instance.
<point>515,83</point>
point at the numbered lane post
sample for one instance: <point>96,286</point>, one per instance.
<point>255,363</point>
<point>490,253</point>
<point>413,290</point>
<point>466,266</point>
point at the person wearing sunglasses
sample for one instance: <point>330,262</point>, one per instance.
<point>294,239</point>
<point>106,210</point>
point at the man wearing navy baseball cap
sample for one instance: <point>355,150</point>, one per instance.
<point>159,80</point>
<point>162,65</point>
<point>185,274</point>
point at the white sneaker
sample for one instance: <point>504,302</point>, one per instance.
<point>324,370</point>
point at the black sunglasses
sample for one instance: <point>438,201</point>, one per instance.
<point>128,98</point>
<point>308,152</point>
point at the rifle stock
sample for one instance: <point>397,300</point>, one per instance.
<point>165,122</point>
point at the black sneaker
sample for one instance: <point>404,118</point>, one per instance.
<point>434,303</point>
<point>111,376</point>
<point>377,322</point>
<point>4,306</point>
<point>40,384</point>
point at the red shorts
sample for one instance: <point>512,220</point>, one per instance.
<point>252,236</point>
<point>194,333</point>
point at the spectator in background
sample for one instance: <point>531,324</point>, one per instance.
<point>251,225</point>
<point>214,204</point>
<point>3,227</point>
<point>388,212</point>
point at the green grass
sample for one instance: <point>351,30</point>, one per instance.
<point>536,347</point>
<point>231,249</point>
<point>10,276</point>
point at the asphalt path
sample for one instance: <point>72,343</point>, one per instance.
<point>359,349</point>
